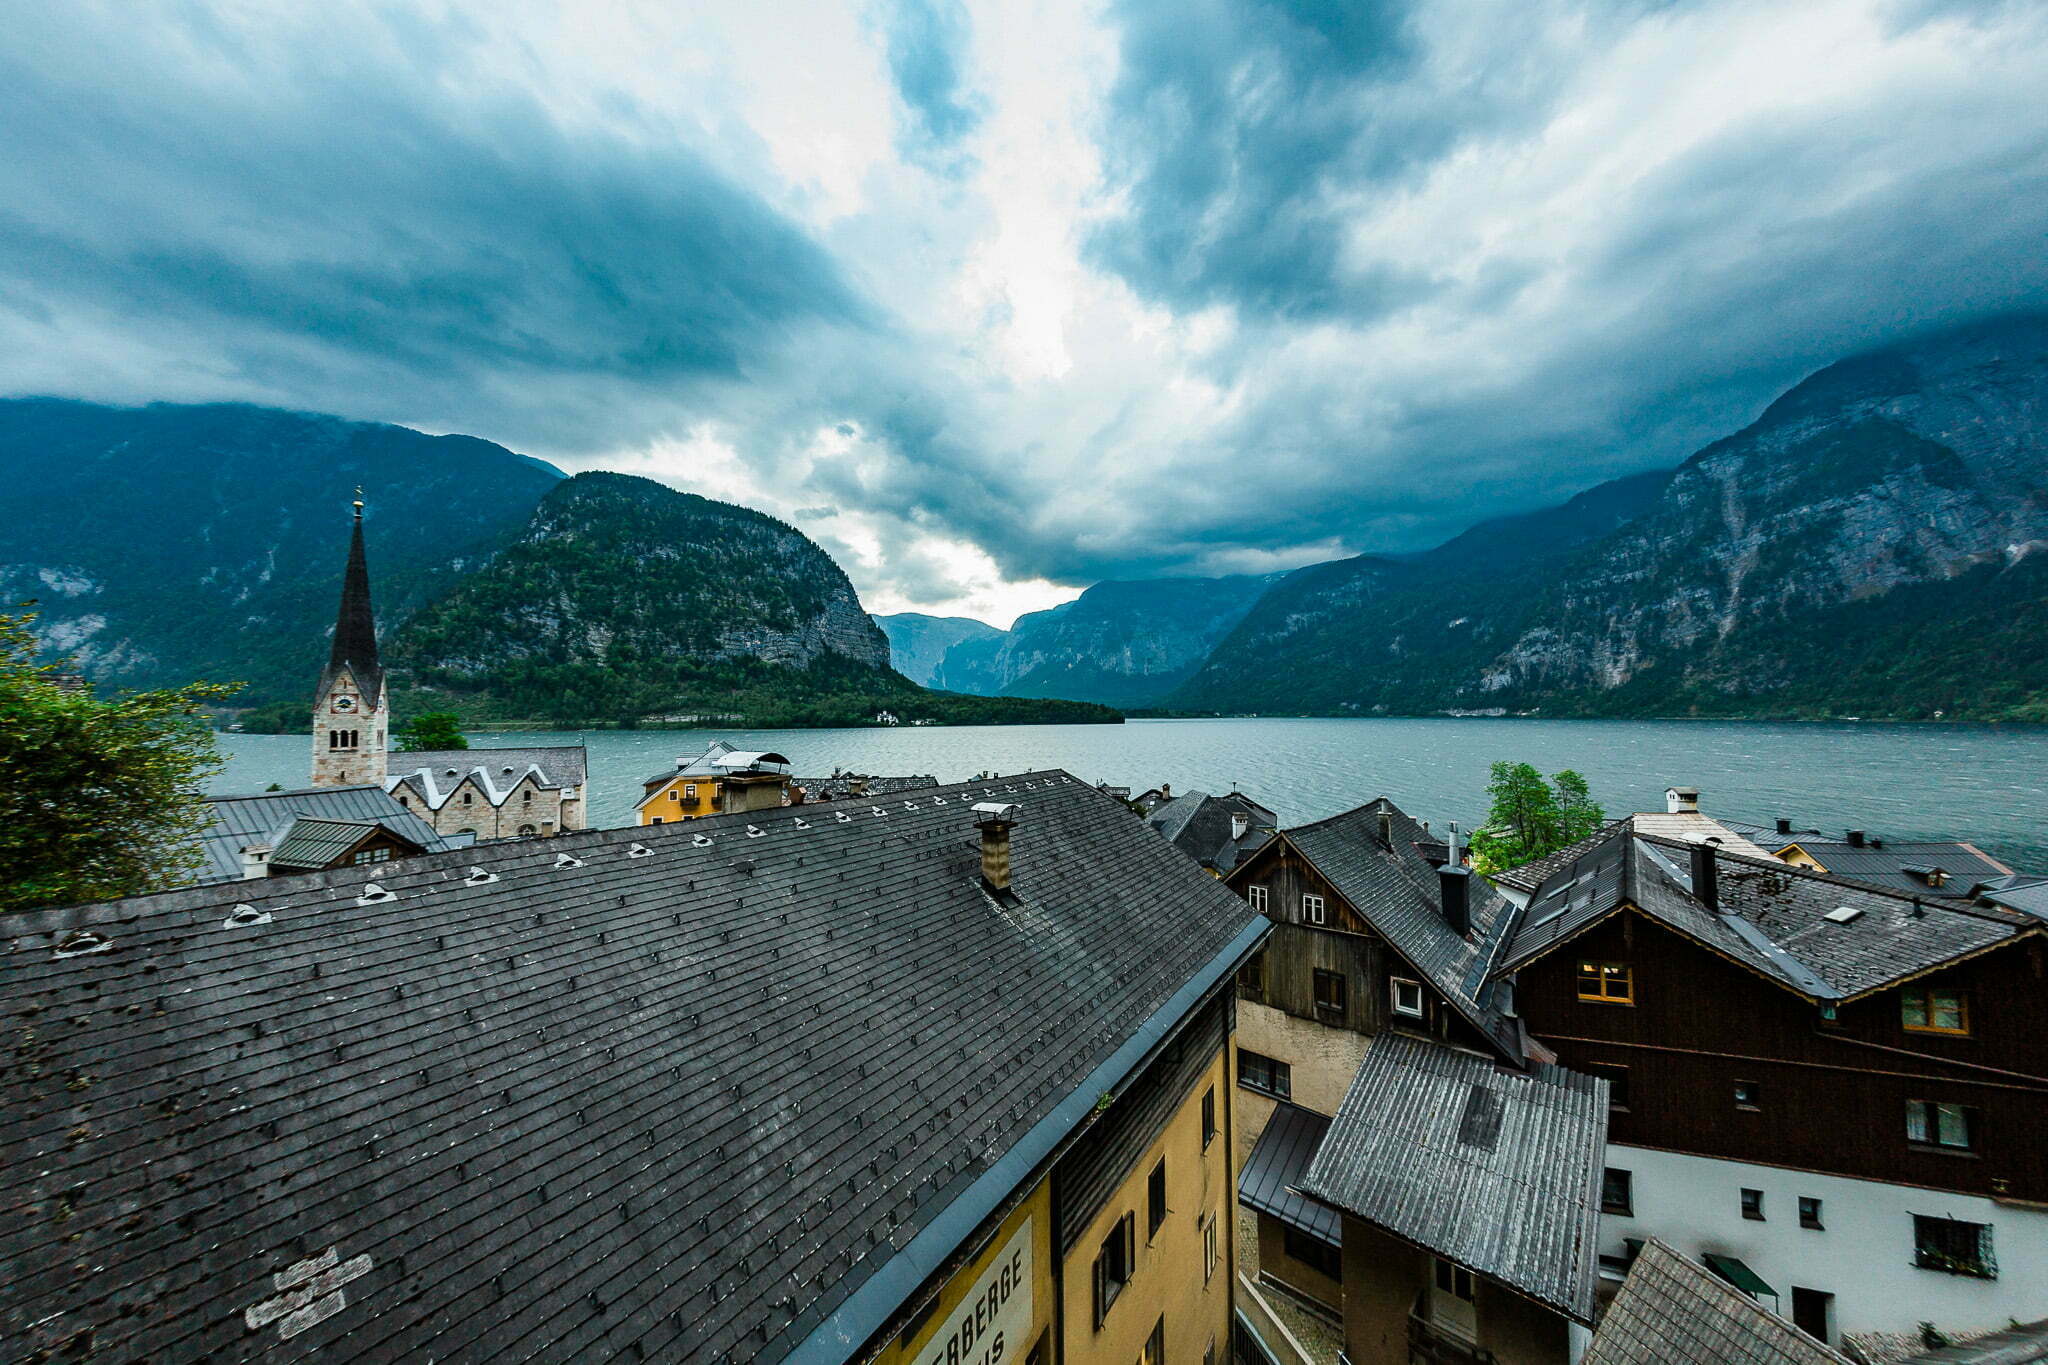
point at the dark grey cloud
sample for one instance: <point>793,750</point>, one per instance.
<point>345,222</point>
<point>926,43</point>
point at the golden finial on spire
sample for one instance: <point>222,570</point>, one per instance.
<point>359,502</point>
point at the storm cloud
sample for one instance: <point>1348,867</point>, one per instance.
<point>1027,297</point>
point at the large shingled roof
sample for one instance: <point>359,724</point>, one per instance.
<point>693,1092</point>
<point>1496,1170</point>
<point>1772,918</point>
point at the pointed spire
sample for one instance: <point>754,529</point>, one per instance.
<point>355,629</point>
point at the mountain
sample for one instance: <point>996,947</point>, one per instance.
<point>173,542</point>
<point>918,643</point>
<point>170,542</point>
<point>1118,643</point>
<point>624,598</point>
<point>1873,544</point>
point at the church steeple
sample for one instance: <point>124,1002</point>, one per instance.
<point>350,719</point>
<point>355,628</point>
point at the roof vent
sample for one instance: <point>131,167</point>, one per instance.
<point>876,810</point>
<point>245,917</point>
<point>842,817</point>
<point>700,841</point>
<point>1842,914</point>
<point>478,877</point>
<point>374,894</point>
<point>85,943</point>
<point>755,832</point>
<point>1855,838</point>
<point>938,800</point>
<point>639,851</point>
<point>800,823</point>
<point>505,770</point>
<point>567,860</point>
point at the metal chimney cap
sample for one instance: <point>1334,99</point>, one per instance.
<point>997,810</point>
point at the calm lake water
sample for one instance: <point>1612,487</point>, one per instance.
<point>1987,784</point>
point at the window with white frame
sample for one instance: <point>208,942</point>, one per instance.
<point>1407,998</point>
<point>1257,896</point>
<point>1313,910</point>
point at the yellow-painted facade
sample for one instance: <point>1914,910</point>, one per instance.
<point>1176,1280</point>
<point>996,1308</point>
<point>1799,857</point>
<point>680,798</point>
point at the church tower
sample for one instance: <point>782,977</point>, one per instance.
<point>351,722</point>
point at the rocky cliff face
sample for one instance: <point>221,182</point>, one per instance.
<point>622,573</point>
<point>172,542</point>
<point>1807,564</point>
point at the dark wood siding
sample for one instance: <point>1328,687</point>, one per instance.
<point>1831,1093</point>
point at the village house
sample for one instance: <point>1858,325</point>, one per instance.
<point>1219,832</point>
<point>720,780</point>
<point>268,834</point>
<point>495,793</point>
<point>938,1080</point>
<point>1832,1094</point>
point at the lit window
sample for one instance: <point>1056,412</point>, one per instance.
<point>1155,1345</point>
<point>1951,1245</point>
<point>1929,1009</point>
<point>1313,910</point>
<point>1331,995</point>
<point>1407,998</point>
<point>690,792</point>
<point>1607,983</point>
<point>1809,1212</point>
<point>1618,1192</point>
<point>1266,1075</point>
<point>1949,1126</point>
<point>1753,1205</point>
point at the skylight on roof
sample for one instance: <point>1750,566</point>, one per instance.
<point>1842,914</point>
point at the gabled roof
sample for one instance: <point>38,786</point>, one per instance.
<point>314,843</point>
<point>1529,876</point>
<point>433,775</point>
<point>240,821</point>
<point>1903,867</point>
<point>1271,1179</point>
<point>708,1091</point>
<point>1672,1309</point>
<point>2022,891</point>
<point>719,759</point>
<point>1773,918</point>
<point>1204,827</point>
<point>1496,1170</point>
<point>1396,891</point>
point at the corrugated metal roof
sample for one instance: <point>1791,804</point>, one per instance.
<point>1272,1175</point>
<point>312,843</point>
<point>1496,1170</point>
<point>683,1088</point>
<point>1672,1309</point>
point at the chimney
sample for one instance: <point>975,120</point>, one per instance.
<point>1784,825</point>
<point>1386,828</point>
<point>995,820</point>
<point>255,862</point>
<point>1855,838</point>
<point>1454,884</point>
<point>1240,824</point>
<point>1706,877</point>
<point>1682,800</point>
<point>1166,791</point>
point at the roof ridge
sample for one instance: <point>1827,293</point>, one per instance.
<point>1949,903</point>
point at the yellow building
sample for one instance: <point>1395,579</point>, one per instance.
<point>720,780</point>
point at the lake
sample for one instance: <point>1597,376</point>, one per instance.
<point>1985,784</point>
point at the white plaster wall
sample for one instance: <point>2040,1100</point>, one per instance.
<point>1864,1257</point>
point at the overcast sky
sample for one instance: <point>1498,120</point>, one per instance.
<point>996,300</point>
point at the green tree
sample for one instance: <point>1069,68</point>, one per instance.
<point>432,730</point>
<point>1530,818</point>
<point>98,797</point>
